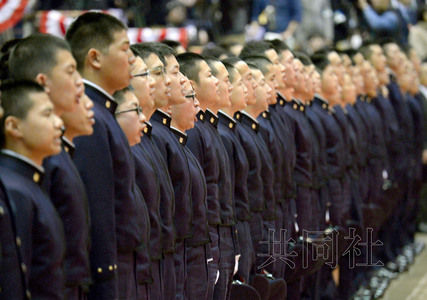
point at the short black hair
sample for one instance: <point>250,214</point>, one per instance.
<point>255,48</point>
<point>5,50</point>
<point>35,54</point>
<point>234,60</point>
<point>320,60</point>
<point>211,60</point>
<point>172,44</point>
<point>215,51</point>
<point>92,30</point>
<point>366,51</point>
<point>189,64</point>
<point>144,50</point>
<point>15,101</point>
<point>278,45</point>
<point>260,61</point>
<point>303,58</point>
<point>119,96</point>
<point>231,70</point>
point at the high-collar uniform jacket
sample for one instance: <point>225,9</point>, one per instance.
<point>239,166</point>
<point>176,161</point>
<point>303,176</point>
<point>198,195</point>
<point>107,169</point>
<point>335,159</point>
<point>272,144</point>
<point>391,127</point>
<point>403,114</point>
<point>167,196</point>
<point>39,232</point>
<point>148,182</point>
<point>225,197</point>
<point>63,184</point>
<point>200,142</point>
<point>12,281</point>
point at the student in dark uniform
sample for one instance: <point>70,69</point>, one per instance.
<point>147,179</point>
<point>30,132</point>
<point>66,189</point>
<point>104,159</point>
<point>159,99</point>
<point>11,276</point>
<point>52,65</point>
<point>197,246</point>
<point>131,119</point>
<point>205,143</point>
<point>239,167</point>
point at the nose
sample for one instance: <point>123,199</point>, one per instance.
<point>132,57</point>
<point>167,80</point>
<point>151,82</point>
<point>57,122</point>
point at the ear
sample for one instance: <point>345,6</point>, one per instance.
<point>93,58</point>
<point>43,81</point>
<point>12,127</point>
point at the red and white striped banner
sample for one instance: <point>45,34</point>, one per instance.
<point>56,23</point>
<point>11,11</point>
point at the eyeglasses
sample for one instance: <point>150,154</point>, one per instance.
<point>137,109</point>
<point>193,96</point>
<point>143,74</point>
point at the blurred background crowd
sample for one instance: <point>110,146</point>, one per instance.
<point>306,25</point>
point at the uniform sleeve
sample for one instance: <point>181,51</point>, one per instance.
<point>94,162</point>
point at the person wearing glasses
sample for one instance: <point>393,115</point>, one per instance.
<point>167,91</point>
<point>101,47</point>
<point>197,247</point>
<point>152,179</point>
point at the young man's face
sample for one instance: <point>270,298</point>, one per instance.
<point>130,119</point>
<point>116,63</point>
<point>184,114</point>
<point>177,80</point>
<point>143,84</point>
<point>287,60</point>
<point>262,92</point>
<point>279,69</point>
<point>162,81</point>
<point>207,88</point>
<point>248,80</point>
<point>370,78</point>
<point>348,90</point>
<point>40,131</point>
<point>81,120</point>
<point>377,58</point>
<point>64,83</point>
<point>239,94</point>
<point>224,85</point>
<point>330,85</point>
<point>271,80</point>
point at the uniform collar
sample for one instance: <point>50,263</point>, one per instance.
<point>162,117</point>
<point>320,101</point>
<point>211,117</point>
<point>148,128</point>
<point>201,116</point>
<point>266,115</point>
<point>226,120</point>
<point>23,165</point>
<point>105,99</point>
<point>297,105</point>
<point>247,119</point>
<point>182,137</point>
<point>68,146</point>
<point>281,99</point>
